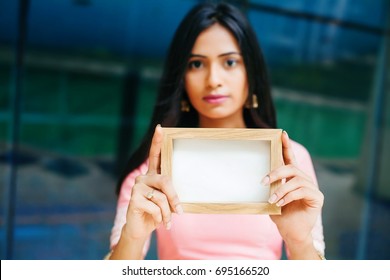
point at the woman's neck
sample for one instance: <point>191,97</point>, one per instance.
<point>222,123</point>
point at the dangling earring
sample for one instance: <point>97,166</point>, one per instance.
<point>249,104</point>
<point>255,104</point>
<point>185,106</point>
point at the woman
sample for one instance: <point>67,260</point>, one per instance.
<point>215,76</point>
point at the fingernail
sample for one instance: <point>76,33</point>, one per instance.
<point>168,225</point>
<point>179,209</point>
<point>265,181</point>
<point>280,202</point>
<point>273,198</point>
<point>285,132</point>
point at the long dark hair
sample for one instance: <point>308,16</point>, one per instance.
<point>171,90</point>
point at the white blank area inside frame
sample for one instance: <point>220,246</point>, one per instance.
<point>220,171</point>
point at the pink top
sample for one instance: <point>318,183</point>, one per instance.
<point>205,236</point>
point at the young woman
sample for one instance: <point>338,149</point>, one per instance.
<point>215,76</point>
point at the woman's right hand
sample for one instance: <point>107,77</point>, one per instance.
<point>153,198</point>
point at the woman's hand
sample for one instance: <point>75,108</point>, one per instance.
<point>299,197</point>
<point>153,198</point>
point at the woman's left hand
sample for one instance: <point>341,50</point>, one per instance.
<point>299,197</point>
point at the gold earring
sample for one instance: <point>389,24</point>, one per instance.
<point>249,104</point>
<point>185,106</point>
<point>255,104</point>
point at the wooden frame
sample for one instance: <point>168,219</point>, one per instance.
<point>186,152</point>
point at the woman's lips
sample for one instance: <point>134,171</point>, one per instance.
<point>215,99</point>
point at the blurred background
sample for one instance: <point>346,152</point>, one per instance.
<point>78,82</point>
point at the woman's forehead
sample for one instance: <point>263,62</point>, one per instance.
<point>216,39</point>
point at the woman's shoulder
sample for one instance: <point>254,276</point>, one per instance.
<point>129,181</point>
<point>300,151</point>
<point>302,155</point>
<point>303,159</point>
<point>141,169</point>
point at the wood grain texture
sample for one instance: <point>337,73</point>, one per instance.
<point>231,208</point>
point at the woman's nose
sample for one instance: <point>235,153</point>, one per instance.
<point>213,78</point>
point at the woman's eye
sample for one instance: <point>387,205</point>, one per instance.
<point>195,64</point>
<point>231,62</point>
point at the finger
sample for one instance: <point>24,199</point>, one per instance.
<point>164,185</point>
<point>161,200</point>
<point>284,172</point>
<point>155,211</point>
<point>155,151</point>
<point>141,202</point>
<point>286,194</point>
<point>288,153</point>
<point>294,184</point>
<point>309,196</point>
<point>140,205</point>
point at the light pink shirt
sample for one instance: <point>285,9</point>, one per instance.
<point>205,236</point>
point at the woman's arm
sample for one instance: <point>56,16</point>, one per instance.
<point>301,202</point>
<point>128,248</point>
<point>152,201</point>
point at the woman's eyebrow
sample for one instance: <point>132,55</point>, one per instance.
<point>197,55</point>
<point>229,53</point>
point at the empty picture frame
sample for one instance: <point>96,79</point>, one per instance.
<point>218,170</point>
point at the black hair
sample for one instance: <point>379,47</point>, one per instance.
<point>171,90</point>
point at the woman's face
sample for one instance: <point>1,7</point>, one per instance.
<point>215,79</point>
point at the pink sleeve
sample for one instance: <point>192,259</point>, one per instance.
<point>305,163</point>
<point>122,205</point>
